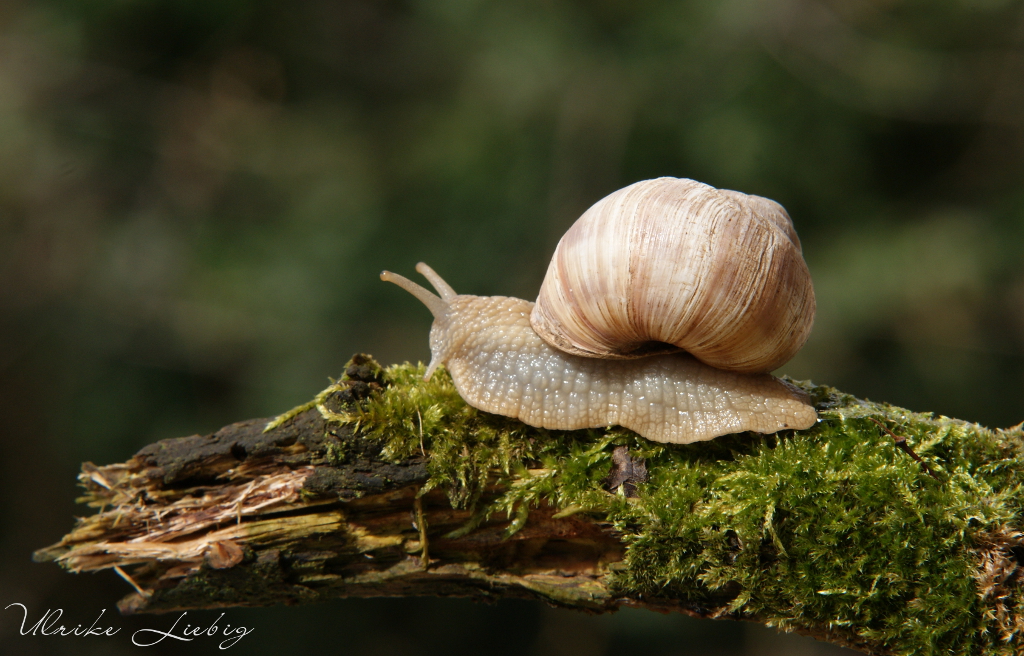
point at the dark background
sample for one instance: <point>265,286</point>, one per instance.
<point>196,197</point>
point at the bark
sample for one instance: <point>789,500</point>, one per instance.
<point>316,508</point>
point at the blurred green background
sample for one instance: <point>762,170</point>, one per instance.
<point>196,197</point>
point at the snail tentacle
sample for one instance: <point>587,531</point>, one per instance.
<point>437,306</point>
<point>443,288</point>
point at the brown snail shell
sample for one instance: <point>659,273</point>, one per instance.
<point>671,264</point>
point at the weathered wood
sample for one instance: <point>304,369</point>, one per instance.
<point>315,508</point>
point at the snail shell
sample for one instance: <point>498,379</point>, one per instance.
<point>679,264</point>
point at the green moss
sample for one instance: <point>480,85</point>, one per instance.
<point>832,526</point>
<point>335,453</point>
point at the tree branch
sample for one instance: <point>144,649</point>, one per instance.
<point>386,485</point>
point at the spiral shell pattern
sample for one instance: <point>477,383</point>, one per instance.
<point>671,264</point>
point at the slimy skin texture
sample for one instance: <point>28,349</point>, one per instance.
<point>500,365</point>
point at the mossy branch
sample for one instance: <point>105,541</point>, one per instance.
<point>387,485</point>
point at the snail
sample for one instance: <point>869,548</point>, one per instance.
<point>663,310</point>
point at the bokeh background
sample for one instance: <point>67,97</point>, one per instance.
<point>196,197</point>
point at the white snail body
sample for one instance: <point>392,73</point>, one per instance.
<point>500,364</point>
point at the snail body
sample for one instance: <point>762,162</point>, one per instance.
<point>505,360</point>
